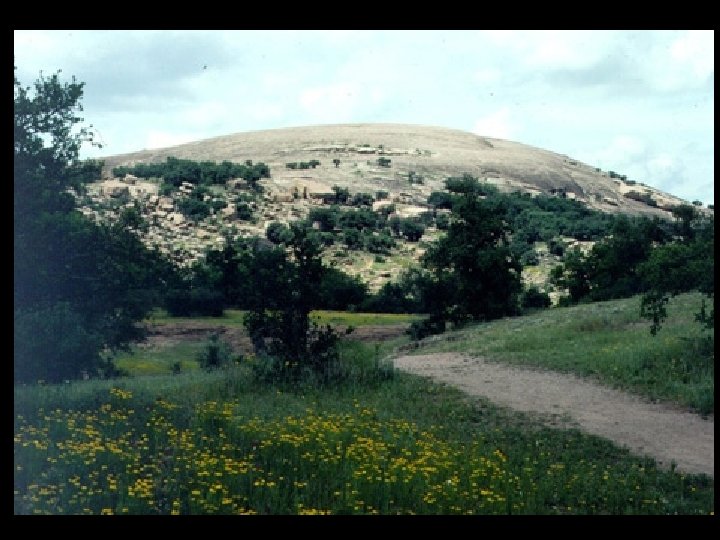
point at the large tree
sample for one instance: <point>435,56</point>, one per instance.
<point>283,286</point>
<point>79,287</point>
<point>476,277</point>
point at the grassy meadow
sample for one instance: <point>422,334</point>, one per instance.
<point>608,341</point>
<point>379,442</point>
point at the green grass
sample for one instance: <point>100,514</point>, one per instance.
<point>379,442</point>
<point>207,443</point>
<point>607,341</point>
<point>345,318</point>
<point>234,317</point>
<point>159,360</point>
<point>231,317</point>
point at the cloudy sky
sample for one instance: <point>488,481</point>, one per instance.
<point>640,103</point>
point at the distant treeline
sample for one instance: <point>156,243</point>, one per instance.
<point>175,171</point>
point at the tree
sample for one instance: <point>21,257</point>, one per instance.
<point>341,194</point>
<point>79,287</point>
<point>283,290</point>
<point>676,267</point>
<point>440,199</point>
<point>411,230</point>
<point>610,270</point>
<point>336,162</point>
<point>278,233</point>
<point>475,276</point>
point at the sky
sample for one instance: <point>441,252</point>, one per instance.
<point>640,103</point>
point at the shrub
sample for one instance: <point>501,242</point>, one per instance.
<point>534,298</point>
<point>215,354</point>
<point>426,327</point>
<point>53,344</point>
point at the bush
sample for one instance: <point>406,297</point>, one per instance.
<point>244,212</point>
<point>534,298</point>
<point>215,354</point>
<point>194,209</point>
<point>529,258</point>
<point>427,327</point>
<point>53,344</point>
<point>278,233</point>
<point>556,247</point>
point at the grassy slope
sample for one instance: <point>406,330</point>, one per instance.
<point>558,471</point>
<point>605,340</point>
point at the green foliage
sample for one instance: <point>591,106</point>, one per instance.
<point>304,164</point>
<point>194,208</point>
<point>282,291</point>
<point>353,239</point>
<point>411,230</point>
<point>340,291</point>
<point>360,219</point>
<point>442,222</point>
<point>215,354</point>
<point>475,276</point>
<point>611,269</point>
<point>79,287</point>
<point>244,212</point>
<point>326,217</point>
<point>556,247</point>
<point>535,298</point>
<point>403,296</point>
<point>278,233</point>
<point>341,194</point>
<point>362,199</point>
<point>440,199</point>
<point>175,171</point>
<point>686,264</point>
<point>53,343</point>
<point>379,243</point>
<point>132,218</point>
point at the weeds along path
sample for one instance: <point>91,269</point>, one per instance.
<point>657,430</point>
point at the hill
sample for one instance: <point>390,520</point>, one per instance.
<point>402,164</point>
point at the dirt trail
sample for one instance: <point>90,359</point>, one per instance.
<point>658,430</point>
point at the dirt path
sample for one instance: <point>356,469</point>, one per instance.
<point>660,431</point>
<point>161,334</point>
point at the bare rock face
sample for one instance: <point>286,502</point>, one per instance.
<point>398,165</point>
<point>411,161</point>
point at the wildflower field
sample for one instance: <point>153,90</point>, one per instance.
<point>221,443</point>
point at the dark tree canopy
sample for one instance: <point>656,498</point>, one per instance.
<point>79,287</point>
<point>475,275</point>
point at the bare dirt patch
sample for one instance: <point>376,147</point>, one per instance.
<point>163,334</point>
<point>666,433</point>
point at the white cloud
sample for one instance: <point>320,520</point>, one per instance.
<point>498,124</point>
<point>696,51</point>
<point>683,61</point>
<point>487,76</point>
<point>331,103</point>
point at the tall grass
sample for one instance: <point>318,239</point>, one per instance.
<point>220,442</point>
<point>605,340</point>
